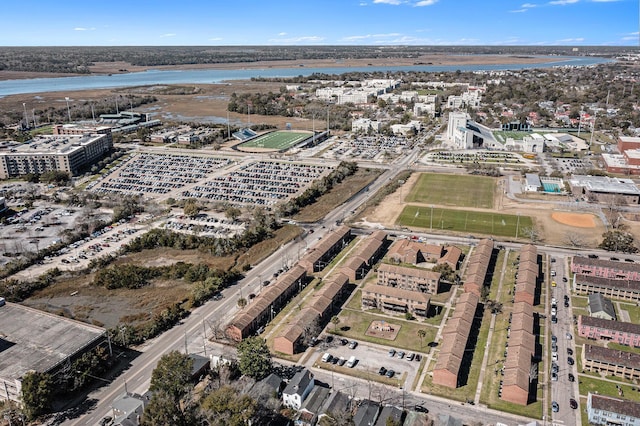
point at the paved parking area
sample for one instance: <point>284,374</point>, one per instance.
<point>150,173</point>
<point>572,165</point>
<point>370,359</point>
<point>369,147</point>
<point>206,225</point>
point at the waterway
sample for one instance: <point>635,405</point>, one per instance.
<point>154,77</point>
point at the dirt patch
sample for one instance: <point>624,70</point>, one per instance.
<point>383,329</point>
<point>579,220</point>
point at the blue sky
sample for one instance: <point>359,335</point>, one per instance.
<point>319,22</point>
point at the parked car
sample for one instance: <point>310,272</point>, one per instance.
<point>353,344</point>
<point>570,361</point>
<point>555,407</point>
<point>569,351</point>
<point>573,403</point>
<point>421,409</point>
<point>327,357</point>
<point>411,356</point>
<point>400,354</point>
<point>392,352</point>
<point>572,377</point>
<point>343,342</point>
<point>390,373</point>
<point>382,371</point>
<point>341,361</point>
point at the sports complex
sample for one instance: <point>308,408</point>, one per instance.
<point>279,140</point>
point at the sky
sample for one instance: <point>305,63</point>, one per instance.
<point>318,22</point>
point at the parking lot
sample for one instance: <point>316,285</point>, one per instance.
<point>261,183</point>
<point>370,360</point>
<point>32,230</point>
<point>573,165</point>
<point>159,174</point>
<point>369,147</point>
<point>206,225</point>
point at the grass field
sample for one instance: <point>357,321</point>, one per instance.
<point>277,140</point>
<point>504,225</point>
<point>453,190</point>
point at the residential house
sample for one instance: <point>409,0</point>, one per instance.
<point>298,389</point>
<point>601,307</point>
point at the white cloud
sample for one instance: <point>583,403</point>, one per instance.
<point>363,4</point>
<point>303,39</point>
<point>215,39</point>
<point>605,1</point>
<point>562,2</point>
<point>528,5</point>
<point>518,11</point>
<point>425,3</point>
<point>168,35</point>
<point>570,40</point>
<point>392,2</point>
<point>83,29</point>
<point>370,36</point>
<point>282,34</point>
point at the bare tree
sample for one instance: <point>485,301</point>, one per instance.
<point>574,240</point>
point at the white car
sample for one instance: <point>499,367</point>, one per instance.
<point>554,356</point>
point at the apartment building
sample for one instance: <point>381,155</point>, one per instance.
<point>409,278</point>
<point>602,268</point>
<point>606,410</point>
<point>624,333</point>
<point>611,362</point>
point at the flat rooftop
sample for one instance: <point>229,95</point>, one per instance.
<point>605,184</point>
<point>36,340</point>
<point>51,144</point>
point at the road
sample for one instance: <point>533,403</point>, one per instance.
<point>191,333</point>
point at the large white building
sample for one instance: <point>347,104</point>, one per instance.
<point>67,153</point>
<point>364,125</point>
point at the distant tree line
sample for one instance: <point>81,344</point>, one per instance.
<point>79,59</point>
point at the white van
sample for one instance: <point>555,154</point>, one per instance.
<point>352,361</point>
<point>326,357</point>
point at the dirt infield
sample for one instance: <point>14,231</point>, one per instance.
<point>579,220</point>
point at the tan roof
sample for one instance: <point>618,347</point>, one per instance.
<point>522,339</point>
<point>325,244</point>
<point>398,293</point>
<point>458,326</point>
<point>354,263</point>
<point>522,308</point>
<point>331,289</point>
<point>403,249</point>
<point>516,377</point>
<point>620,406</point>
<point>369,247</point>
<point>412,272</point>
<point>448,361</point>
<point>292,332</point>
<point>451,255</point>
<point>320,304</point>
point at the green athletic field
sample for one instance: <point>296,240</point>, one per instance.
<point>277,140</point>
<point>453,190</point>
<point>498,224</point>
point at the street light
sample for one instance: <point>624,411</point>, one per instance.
<point>66,98</point>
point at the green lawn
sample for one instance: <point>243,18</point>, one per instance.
<point>603,387</point>
<point>277,140</point>
<point>453,190</point>
<point>634,312</point>
<point>504,225</point>
<point>354,324</point>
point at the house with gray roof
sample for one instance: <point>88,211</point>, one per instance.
<point>298,388</point>
<point>601,307</point>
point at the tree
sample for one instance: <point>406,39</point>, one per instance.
<point>254,358</point>
<point>225,406</point>
<point>37,393</point>
<point>335,321</point>
<point>232,213</point>
<point>172,375</point>
<point>422,334</point>
<point>191,208</point>
<point>171,385</point>
<point>618,240</point>
<point>242,302</point>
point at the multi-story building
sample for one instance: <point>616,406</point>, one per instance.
<point>611,362</point>
<point>605,268</point>
<point>66,153</point>
<point>624,333</point>
<point>395,300</point>
<point>408,278</point>
<point>606,410</point>
<point>605,189</point>
<point>617,288</point>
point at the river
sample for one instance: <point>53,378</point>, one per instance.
<point>152,77</point>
